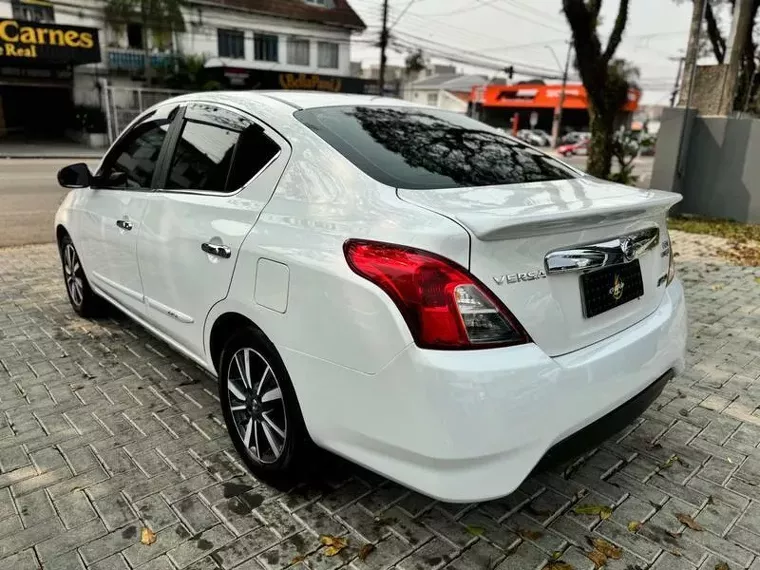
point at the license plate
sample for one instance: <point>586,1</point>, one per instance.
<point>610,287</point>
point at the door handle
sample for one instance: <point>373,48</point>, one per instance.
<point>218,250</point>
<point>124,224</point>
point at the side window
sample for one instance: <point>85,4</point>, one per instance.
<point>218,151</point>
<point>131,164</point>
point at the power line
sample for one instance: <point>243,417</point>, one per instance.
<point>523,17</point>
<point>541,13</point>
<point>404,11</point>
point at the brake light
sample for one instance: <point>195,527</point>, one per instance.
<point>444,306</point>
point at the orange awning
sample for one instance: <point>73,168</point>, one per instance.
<point>536,96</point>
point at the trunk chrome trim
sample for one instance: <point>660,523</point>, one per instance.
<point>615,251</point>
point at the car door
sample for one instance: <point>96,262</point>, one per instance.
<point>116,205</point>
<point>221,170</point>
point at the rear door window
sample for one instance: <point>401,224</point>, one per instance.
<point>413,148</point>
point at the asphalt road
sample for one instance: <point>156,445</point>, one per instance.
<point>30,195</point>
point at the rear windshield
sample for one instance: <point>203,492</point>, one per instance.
<point>427,148</point>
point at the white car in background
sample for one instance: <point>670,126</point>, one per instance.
<point>401,285</point>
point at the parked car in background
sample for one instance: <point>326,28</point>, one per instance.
<point>577,148</point>
<point>403,286</point>
<point>574,137</point>
<point>533,138</point>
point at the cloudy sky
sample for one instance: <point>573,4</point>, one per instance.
<point>518,32</point>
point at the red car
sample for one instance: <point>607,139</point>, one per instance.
<point>574,148</point>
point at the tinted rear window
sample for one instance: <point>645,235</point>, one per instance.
<point>426,148</point>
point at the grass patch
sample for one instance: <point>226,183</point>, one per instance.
<point>722,228</point>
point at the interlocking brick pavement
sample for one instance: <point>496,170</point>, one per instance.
<point>105,430</point>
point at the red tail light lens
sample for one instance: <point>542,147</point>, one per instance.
<point>444,306</point>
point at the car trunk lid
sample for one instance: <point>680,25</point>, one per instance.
<point>542,247</point>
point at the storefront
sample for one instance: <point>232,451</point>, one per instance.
<point>498,104</point>
<point>36,75</point>
<point>249,78</point>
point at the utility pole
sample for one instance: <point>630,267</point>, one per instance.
<point>677,84</point>
<point>557,123</point>
<point>383,46</point>
<point>736,42</point>
<point>692,50</point>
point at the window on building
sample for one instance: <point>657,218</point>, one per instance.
<point>231,44</point>
<point>432,98</point>
<point>327,55</point>
<point>298,51</point>
<point>317,2</point>
<point>135,36</point>
<point>38,11</point>
<point>265,47</point>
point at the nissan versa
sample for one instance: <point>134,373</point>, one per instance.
<point>403,286</point>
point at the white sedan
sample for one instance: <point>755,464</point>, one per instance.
<point>401,285</point>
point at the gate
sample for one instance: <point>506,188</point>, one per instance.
<point>123,104</point>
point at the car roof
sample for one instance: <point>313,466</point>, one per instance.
<point>295,99</point>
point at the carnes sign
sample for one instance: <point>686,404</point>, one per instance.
<point>32,42</point>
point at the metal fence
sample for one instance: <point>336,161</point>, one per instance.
<point>123,104</point>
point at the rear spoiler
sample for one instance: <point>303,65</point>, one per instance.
<point>499,225</point>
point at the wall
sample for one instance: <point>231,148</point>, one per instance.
<point>201,38</point>
<point>721,172</point>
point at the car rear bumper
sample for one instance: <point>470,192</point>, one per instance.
<point>471,425</point>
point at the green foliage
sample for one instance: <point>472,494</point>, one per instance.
<point>156,15</point>
<point>415,62</point>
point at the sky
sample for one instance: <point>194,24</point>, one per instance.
<point>518,32</point>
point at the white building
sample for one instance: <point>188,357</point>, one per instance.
<point>289,44</point>
<point>448,91</point>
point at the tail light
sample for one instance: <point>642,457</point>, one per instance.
<point>671,262</point>
<point>444,306</point>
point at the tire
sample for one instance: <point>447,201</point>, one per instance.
<point>259,412</point>
<point>81,296</point>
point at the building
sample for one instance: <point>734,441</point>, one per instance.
<point>450,91</point>
<point>497,105</point>
<point>55,56</point>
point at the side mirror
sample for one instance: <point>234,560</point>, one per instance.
<point>75,176</point>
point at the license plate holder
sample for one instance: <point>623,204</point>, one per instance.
<point>610,287</point>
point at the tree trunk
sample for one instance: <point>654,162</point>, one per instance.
<point>600,145</point>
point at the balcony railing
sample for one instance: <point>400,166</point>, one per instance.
<point>134,59</point>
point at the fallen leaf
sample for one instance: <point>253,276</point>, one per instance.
<point>607,548</point>
<point>147,536</point>
<point>757,280</point>
<point>717,287</point>
<point>365,551</point>
<point>298,559</point>
<point>676,553</point>
<point>529,534</point>
<point>334,544</point>
<point>688,521</point>
<point>556,555</point>
<point>729,459</point>
<point>603,511</point>
<point>722,566</point>
<point>669,463</point>
<point>558,565</point>
<point>598,558</point>
<point>634,526</point>
<point>475,530</point>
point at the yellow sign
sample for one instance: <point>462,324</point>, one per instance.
<point>313,82</point>
<point>24,39</point>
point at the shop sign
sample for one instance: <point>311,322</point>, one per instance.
<point>45,43</point>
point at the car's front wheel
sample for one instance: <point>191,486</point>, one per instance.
<point>260,407</point>
<point>83,300</point>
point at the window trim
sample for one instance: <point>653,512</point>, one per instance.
<point>175,140</point>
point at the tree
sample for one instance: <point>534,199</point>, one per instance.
<point>414,63</point>
<point>606,80</point>
<point>748,83</point>
<point>160,17</point>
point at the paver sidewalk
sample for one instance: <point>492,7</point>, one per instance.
<point>105,430</point>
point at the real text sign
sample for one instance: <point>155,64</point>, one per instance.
<point>44,43</point>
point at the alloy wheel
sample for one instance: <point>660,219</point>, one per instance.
<point>258,410</point>
<point>74,274</point>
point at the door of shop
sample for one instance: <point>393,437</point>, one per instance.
<point>36,111</point>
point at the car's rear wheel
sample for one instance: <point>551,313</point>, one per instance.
<point>260,407</point>
<point>83,300</point>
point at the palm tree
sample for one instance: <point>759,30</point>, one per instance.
<point>161,17</point>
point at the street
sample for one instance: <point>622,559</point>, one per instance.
<point>30,195</point>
